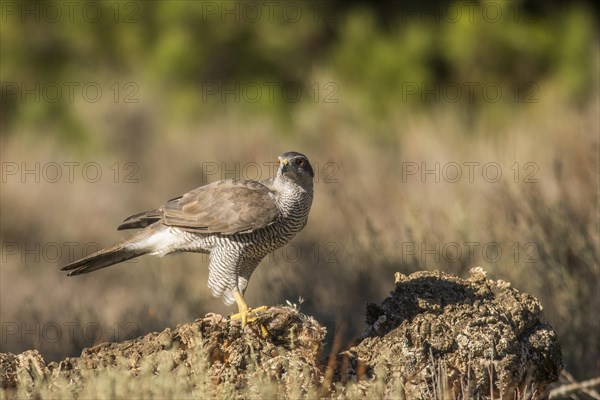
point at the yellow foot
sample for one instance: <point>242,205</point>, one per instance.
<point>246,315</point>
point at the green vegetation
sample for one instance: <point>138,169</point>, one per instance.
<point>234,55</point>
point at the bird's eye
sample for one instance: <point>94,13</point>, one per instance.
<point>278,161</point>
<point>299,162</point>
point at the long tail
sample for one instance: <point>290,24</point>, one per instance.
<point>106,257</point>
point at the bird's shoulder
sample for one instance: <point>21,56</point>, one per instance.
<point>232,190</point>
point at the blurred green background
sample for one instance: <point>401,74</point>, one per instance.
<point>111,108</point>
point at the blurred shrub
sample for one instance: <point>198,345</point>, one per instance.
<point>421,63</point>
<point>384,56</point>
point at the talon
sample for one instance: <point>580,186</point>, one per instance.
<point>264,333</point>
<point>246,315</point>
<point>244,312</point>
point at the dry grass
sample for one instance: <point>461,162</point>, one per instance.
<point>364,226</point>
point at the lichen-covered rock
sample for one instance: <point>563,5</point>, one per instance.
<point>291,343</point>
<point>435,336</point>
<point>27,367</point>
<point>439,334</point>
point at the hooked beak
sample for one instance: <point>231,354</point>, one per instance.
<point>284,164</point>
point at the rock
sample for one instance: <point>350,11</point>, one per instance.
<point>27,367</point>
<point>437,333</point>
<point>435,336</point>
<point>233,356</point>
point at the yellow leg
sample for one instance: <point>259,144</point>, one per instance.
<point>243,309</point>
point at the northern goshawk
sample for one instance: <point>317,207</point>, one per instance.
<point>237,222</point>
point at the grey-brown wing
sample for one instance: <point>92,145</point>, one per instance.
<point>225,207</point>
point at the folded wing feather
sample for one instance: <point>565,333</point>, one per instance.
<point>226,207</point>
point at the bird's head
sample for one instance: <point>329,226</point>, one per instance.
<point>295,167</point>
